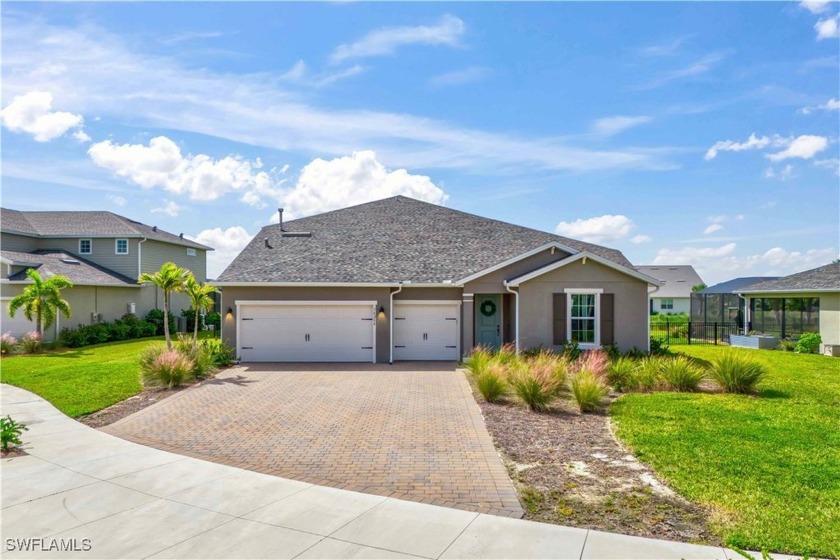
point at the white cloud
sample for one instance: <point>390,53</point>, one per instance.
<point>610,126</point>
<point>753,143</point>
<point>769,173</point>
<point>161,165</point>
<point>832,164</point>
<point>830,105</point>
<point>640,239</point>
<point>787,172</point>
<point>81,136</point>
<point>804,147</point>
<point>170,207</point>
<point>815,6</point>
<point>228,243</point>
<point>598,229</point>
<point>458,77</point>
<point>700,66</point>
<point>712,228</point>
<point>718,264</point>
<point>827,28</point>
<point>386,40</point>
<point>663,49</point>
<point>299,74</point>
<point>31,113</point>
<point>117,200</point>
<point>326,185</point>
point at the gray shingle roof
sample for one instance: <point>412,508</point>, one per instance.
<point>85,224</point>
<point>735,285</point>
<point>824,278</point>
<point>78,270</point>
<point>391,240</point>
<point>677,279</point>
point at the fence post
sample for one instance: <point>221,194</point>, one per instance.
<point>716,332</point>
<point>689,333</point>
<point>667,332</point>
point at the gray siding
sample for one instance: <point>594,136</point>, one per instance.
<point>155,253</point>
<point>19,243</point>
<point>104,252</point>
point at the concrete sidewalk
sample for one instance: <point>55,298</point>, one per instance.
<point>104,497</point>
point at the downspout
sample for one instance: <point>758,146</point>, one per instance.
<point>516,314</point>
<point>140,257</point>
<point>391,329</point>
<point>647,312</point>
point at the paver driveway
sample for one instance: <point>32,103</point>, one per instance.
<point>411,431</point>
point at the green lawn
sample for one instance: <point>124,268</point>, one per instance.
<point>82,380</point>
<point>767,466</point>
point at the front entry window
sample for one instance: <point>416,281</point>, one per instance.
<point>582,315</point>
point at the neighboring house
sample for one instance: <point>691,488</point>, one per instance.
<point>675,294</point>
<point>400,279</point>
<point>808,301</point>
<point>103,254</point>
<point>721,303</point>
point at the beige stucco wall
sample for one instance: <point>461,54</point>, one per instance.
<point>493,283</point>
<point>536,303</point>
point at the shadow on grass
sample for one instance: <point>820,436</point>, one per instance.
<point>773,394</point>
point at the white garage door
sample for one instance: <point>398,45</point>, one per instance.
<point>427,330</point>
<point>18,326</point>
<point>307,332</point>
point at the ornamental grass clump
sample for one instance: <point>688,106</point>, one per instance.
<point>681,374</point>
<point>480,359</point>
<point>491,382</point>
<point>549,363</point>
<point>648,374</point>
<point>537,385</point>
<point>595,361</point>
<point>197,353</point>
<point>587,389</point>
<point>30,343</point>
<point>7,344</point>
<point>163,368</point>
<point>621,374</point>
<point>736,373</point>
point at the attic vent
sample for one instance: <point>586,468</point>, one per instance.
<point>70,261</point>
<point>267,244</point>
<point>154,228</point>
<point>296,234</point>
<point>680,280</point>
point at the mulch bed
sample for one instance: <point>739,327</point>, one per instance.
<point>127,407</point>
<point>569,469</point>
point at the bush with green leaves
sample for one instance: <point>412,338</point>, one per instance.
<point>31,342</point>
<point>737,373</point>
<point>681,374</point>
<point>7,344</point>
<point>215,319</point>
<point>155,316</point>
<point>189,314</point>
<point>222,355</point>
<point>98,333</point>
<point>658,347</point>
<point>491,382</point>
<point>163,368</point>
<point>10,432</point>
<point>786,345</point>
<point>809,343</point>
<point>587,389</point>
<point>571,350</point>
<point>621,374</point>
<point>197,353</point>
<point>537,385</point>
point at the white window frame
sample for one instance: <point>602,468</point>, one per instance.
<point>585,291</point>
<point>90,246</point>
<point>117,247</point>
<point>191,252</point>
<point>669,306</point>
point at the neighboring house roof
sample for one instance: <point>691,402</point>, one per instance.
<point>391,240</point>
<point>52,263</point>
<point>85,224</point>
<point>822,279</point>
<point>677,280</point>
<point>735,285</point>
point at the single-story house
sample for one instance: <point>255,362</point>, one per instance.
<point>808,301</point>
<point>721,303</point>
<point>102,253</point>
<point>401,279</point>
<point>674,296</point>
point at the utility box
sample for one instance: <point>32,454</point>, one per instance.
<point>132,308</point>
<point>181,324</point>
<point>831,350</point>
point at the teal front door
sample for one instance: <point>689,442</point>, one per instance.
<point>488,320</point>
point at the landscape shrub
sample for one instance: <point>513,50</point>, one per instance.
<point>74,337</point>
<point>547,363</point>
<point>648,373</point>
<point>221,354</point>
<point>118,330</point>
<point>215,318</point>
<point>491,382</point>
<point>621,374</point>
<point>480,358</point>
<point>190,316</point>
<point>587,389</point>
<point>535,385</point>
<point>571,350</point>
<point>164,368</point>
<point>155,316</point>
<point>7,344</point>
<point>596,361</point>
<point>681,374</point>
<point>736,373</point>
<point>31,342</point>
<point>658,347</point>
<point>197,353</point>
<point>613,351</point>
<point>507,354</point>
<point>97,333</point>
<point>786,345</point>
<point>809,343</point>
<point>10,432</point>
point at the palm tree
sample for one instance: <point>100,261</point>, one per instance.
<point>42,299</point>
<point>170,278</point>
<point>200,298</point>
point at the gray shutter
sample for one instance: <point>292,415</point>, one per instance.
<point>607,319</point>
<point>559,319</point>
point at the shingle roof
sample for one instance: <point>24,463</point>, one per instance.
<point>677,279</point>
<point>735,285</point>
<point>85,224</point>
<point>78,270</point>
<point>391,240</point>
<point>824,278</point>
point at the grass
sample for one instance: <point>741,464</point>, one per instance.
<point>82,380</point>
<point>767,466</point>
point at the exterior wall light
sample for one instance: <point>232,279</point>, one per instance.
<point>381,313</point>
<point>229,314</point>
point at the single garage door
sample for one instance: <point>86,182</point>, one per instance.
<point>426,330</point>
<point>307,332</point>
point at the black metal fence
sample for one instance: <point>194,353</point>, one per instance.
<point>693,332</point>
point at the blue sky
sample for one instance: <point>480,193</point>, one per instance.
<point>681,133</point>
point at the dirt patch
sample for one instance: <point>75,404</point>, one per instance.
<point>127,407</point>
<point>16,452</point>
<point>569,469</point>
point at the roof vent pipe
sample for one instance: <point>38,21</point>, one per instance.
<point>181,235</point>
<point>154,228</point>
<point>280,213</point>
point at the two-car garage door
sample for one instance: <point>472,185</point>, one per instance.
<point>307,332</point>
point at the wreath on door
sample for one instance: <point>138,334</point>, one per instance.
<point>488,308</point>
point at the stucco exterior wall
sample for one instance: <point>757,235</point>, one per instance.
<point>536,303</point>
<point>155,253</point>
<point>492,283</point>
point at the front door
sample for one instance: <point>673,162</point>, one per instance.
<point>488,320</point>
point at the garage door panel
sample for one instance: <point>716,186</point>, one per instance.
<point>426,331</point>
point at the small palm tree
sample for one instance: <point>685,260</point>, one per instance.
<point>170,278</point>
<point>42,299</point>
<point>201,298</point>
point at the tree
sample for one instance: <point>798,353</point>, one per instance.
<point>170,278</point>
<point>698,287</point>
<point>42,299</point>
<point>201,297</point>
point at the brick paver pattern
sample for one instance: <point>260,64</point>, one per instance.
<point>411,431</point>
